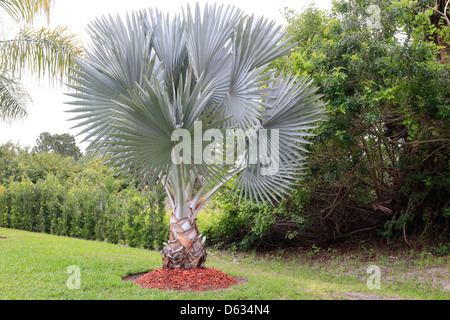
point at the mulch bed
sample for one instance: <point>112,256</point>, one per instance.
<point>186,280</point>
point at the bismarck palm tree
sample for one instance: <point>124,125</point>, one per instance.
<point>42,51</point>
<point>149,83</point>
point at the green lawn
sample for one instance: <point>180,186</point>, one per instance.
<point>34,266</point>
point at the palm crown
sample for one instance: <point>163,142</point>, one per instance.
<point>150,79</point>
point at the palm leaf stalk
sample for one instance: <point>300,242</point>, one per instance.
<point>151,83</point>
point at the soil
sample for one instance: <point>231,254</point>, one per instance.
<point>184,280</point>
<point>400,262</point>
<point>354,295</point>
<point>133,277</point>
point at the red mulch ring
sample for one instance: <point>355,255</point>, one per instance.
<point>186,280</point>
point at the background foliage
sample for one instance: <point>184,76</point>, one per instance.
<point>380,166</point>
<point>47,192</point>
<point>64,144</point>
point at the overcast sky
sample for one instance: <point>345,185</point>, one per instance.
<point>46,113</point>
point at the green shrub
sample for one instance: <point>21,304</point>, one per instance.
<point>23,206</point>
<point>86,202</point>
<point>4,218</point>
<point>443,249</point>
<point>144,226</point>
<point>52,195</point>
<point>226,222</point>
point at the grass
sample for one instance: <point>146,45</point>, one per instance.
<point>34,266</point>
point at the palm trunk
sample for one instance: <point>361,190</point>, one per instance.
<point>185,248</point>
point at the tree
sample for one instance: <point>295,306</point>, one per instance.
<point>43,51</point>
<point>440,18</point>
<point>63,144</point>
<point>381,69</point>
<point>151,80</point>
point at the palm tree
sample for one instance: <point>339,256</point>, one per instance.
<point>149,80</point>
<point>42,51</point>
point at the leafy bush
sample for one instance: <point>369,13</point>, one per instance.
<point>442,249</point>
<point>380,165</point>
<point>83,200</point>
<point>229,223</point>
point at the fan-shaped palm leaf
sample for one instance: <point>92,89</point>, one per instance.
<point>292,107</point>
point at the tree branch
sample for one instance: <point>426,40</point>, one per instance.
<point>444,14</point>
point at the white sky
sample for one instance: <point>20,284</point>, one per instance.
<point>46,113</point>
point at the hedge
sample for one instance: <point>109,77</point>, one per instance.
<point>85,209</point>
